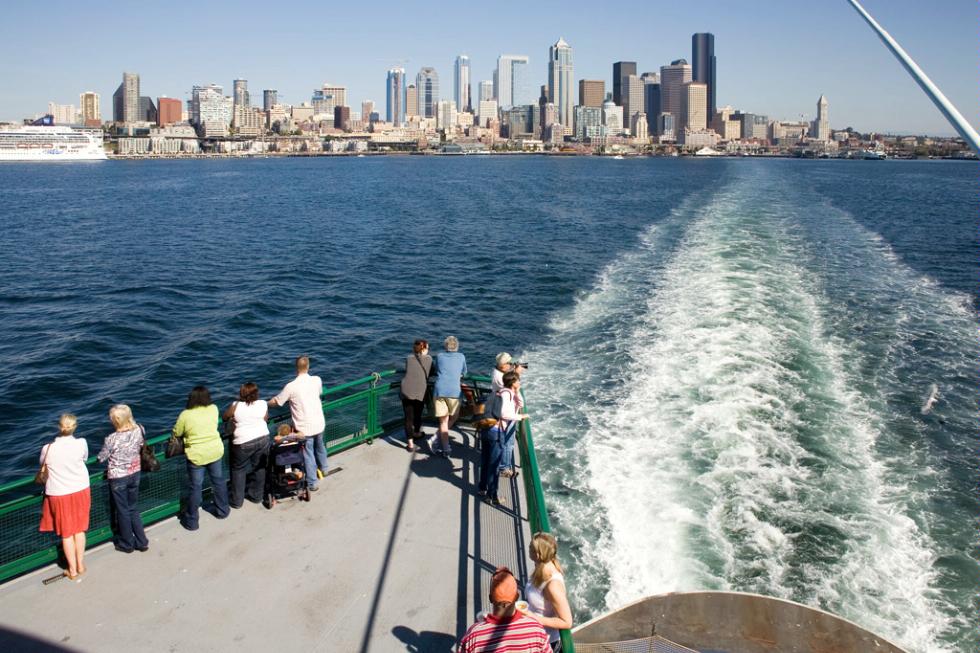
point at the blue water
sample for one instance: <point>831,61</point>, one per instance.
<point>728,357</point>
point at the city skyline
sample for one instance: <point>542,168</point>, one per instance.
<point>848,51</point>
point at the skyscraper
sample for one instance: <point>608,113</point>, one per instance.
<point>694,102</point>
<point>486,91</point>
<point>821,126</point>
<point>168,111</point>
<point>367,108</point>
<point>632,94</point>
<point>461,84</point>
<point>560,82</point>
<point>427,86</point>
<point>240,93</point>
<point>270,98</point>
<point>672,80</point>
<point>620,70</point>
<point>411,101</point>
<point>395,97</point>
<point>89,108</point>
<point>591,92</point>
<point>703,54</point>
<point>126,99</point>
<point>651,100</point>
<point>512,81</point>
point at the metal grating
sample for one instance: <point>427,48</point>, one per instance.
<point>655,644</point>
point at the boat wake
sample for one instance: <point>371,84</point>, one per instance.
<point>730,410</point>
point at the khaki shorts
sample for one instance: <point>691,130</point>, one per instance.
<point>446,406</point>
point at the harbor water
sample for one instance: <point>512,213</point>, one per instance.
<point>755,375</point>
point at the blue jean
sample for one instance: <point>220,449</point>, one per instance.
<point>314,455</point>
<point>507,447</point>
<point>219,489</point>
<point>491,448</point>
<point>125,494</point>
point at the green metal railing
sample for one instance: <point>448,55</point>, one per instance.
<point>356,412</point>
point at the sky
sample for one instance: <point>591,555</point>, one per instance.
<point>775,57</point>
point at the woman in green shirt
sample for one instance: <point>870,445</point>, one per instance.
<point>198,426</point>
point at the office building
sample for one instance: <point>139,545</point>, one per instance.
<point>147,110</point>
<point>126,99</point>
<point>395,97</point>
<point>270,98</point>
<point>703,59</point>
<point>341,118</point>
<point>326,99</point>
<point>411,101</point>
<point>446,116</point>
<point>208,104</point>
<point>821,126</point>
<point>487,111</point>
<point>367,110</point>
<point>754,126</point>
<point>520,121</point>
<point>638,126</point>
<point>621,69</point>
<point>651,101</point>
<point>612,118</point>
<point>461,84</point>
<point>591,92</point>
<point>240,93</point>
<point>561,82</point>
<point>168,111</point>
<point>667,127</point>
<point>512,81</point>
<point>91,113</point>
<point>63,114</point>
<point>672,81</point>
<point>427,86</point>
<point>588,122</point>
<point>694,107</point>
<point>726,124</point>
<point>632,95</point>
<point>486,91</point>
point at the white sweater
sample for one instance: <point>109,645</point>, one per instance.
<point>65,458</point>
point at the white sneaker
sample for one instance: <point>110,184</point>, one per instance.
<point>433,441</point>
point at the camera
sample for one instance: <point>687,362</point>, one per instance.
<point>519,364</point>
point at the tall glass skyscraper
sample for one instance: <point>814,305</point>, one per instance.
<point>395,94</point>
<point>561,82</point>
<point>512,86</point>
<point>703,66</point>
<point>621,69</point>
<point>461,87</point>
<point>427,85</point>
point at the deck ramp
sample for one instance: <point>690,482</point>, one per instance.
<point>394,553</point>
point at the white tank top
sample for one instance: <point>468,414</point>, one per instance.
<point>538,604</point>
<point>250,421</point>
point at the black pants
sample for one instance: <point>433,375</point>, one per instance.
<point>248,463</point>
<point>413,416</point>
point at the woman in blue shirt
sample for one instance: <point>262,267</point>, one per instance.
<point>450,366</point>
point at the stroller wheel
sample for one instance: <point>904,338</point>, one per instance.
<point>270,501</point>
<point>306,495</point>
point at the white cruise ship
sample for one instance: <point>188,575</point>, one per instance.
<point>55,143</point>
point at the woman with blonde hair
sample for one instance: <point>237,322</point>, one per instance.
<point>547,601</point>
<point>67,497</point>
<point>121,450</point>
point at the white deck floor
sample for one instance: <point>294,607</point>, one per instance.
<point>394,553</point>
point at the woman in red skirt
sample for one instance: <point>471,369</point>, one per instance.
<point>67,498</point>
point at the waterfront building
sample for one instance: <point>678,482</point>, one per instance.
<point>341,118</point>
<point>694,139</point>
<point>91,113</point>
<point>726,124</point>
<point>63,114</point>
<point>632,95</point>
<point>591,92</point>
<point>207,104</point>
<point>651,100</point>
<point>561,81</point>
<point>168,111</point>
<point>427,86</point>
<point>638,126</point>
<point>461,84</point>
<point>703,59</point>
<point>395,96</point>
<point>367,111</point>
<point>588,122</point>
<point>147,110</point>
<point>486,112</point>
<point>512,82</point>
<point>621,69</point>
<point>612,118</point>
<point>672,80</point>
<point>787,134</point>
<point>270,98</point>
<point>446,116</point>
<point>694,103</point>
<point>820,128</point>
<point>520,121</point>
<point>485,91</point>
<point>411,101</point>
<point>667,128</point>
<point>753,126</point>
<point>249,121</point>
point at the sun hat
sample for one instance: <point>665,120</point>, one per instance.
<point>503,358</point>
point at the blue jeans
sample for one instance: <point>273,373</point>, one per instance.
<point>507,447</point>
<point>219,489</point>
<point>125,494</point>
<point>491,448</point>
<point>314,455</point>
<point>247,466</point>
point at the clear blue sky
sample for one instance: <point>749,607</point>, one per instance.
<point>774,56</point>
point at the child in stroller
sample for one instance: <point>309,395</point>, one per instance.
<point>286,477</point>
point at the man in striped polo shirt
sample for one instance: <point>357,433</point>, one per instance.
<point>505,630</point>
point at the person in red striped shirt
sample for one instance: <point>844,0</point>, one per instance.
<point>505,630</point>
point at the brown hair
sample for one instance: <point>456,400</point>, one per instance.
<point>419,345</point>
<point>510,378</point>
<point>284,429</point>
<point>249,392</point>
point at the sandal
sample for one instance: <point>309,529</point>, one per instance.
<point>409,446</point>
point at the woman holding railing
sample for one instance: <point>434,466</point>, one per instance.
<point>197,425</point>
<point>122,451</point>
<point>67,497</point>
<point>547,600</point>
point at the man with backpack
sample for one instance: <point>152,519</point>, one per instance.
<point>505,409</point>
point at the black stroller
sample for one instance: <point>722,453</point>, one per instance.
<point>287,472</point>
